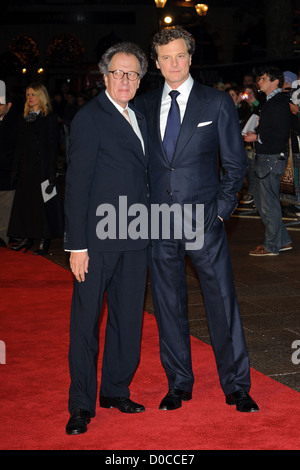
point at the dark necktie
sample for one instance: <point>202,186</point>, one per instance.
<point>172,127</point>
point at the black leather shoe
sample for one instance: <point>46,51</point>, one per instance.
<point>78,421</point>
<point>43,247</point>
<point>173,399</point>
<point>243,401</point>
<point>121,403</point>
<point>24,244</point>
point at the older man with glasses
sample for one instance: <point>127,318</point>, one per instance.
<point>108,159</point>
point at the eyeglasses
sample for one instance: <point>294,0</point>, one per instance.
<point>119,74</point>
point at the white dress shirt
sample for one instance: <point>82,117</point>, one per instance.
<point>182,100</point>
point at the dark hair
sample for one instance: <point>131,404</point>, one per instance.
<point>126,48</point>
<point>169,34</point>
<point>274,74</point>
<point>234,88</point>
<point>253,88</point>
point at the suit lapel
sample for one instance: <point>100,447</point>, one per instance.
<point>158,131</point>
<point>123,124</point>
<point>143,128</point>
<point>195,111</point>
<point>154,123</point>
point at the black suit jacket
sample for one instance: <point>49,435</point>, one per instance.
<point>106,161</point>
<point>210,129</point>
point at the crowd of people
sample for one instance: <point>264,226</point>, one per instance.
<point>34,136</point>
<point>268,109</point>
<point>249,100</point>
<point>180,143</point>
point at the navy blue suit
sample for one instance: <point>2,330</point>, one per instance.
<point>210,129</point>
<point>106,161</point>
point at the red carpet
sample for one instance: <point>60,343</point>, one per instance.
<point>34,324</point>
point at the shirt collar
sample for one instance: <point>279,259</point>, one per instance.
<point>273,93</point>
<point>184,89</point>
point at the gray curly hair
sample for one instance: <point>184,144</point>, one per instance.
<point>126,48</point>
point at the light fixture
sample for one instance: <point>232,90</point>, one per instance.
<point>40,70</point>
<point>168,19</point>
<point>201,9</point>
<point>160,3</point>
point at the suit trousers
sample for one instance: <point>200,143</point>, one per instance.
<point>168,281</point>
<point>122,275</point>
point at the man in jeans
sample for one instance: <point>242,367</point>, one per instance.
<point>271,147</point>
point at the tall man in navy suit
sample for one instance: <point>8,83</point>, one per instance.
<point>188,174</point>
<point>107,161</point>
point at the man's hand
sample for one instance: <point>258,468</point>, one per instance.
<point>294,108</point>
<point>250,137</point>
<point>79,262</point>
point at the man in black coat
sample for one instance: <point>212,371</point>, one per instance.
<point>271,146</point>
<point>108,164</point>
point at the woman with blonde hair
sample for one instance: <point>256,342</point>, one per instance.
<point>37,207</point>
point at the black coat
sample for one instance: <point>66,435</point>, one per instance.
<point>8,131</point>
<point>35,162</point>
<point>274,126</point>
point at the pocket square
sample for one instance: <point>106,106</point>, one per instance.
<point>206,123</point>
